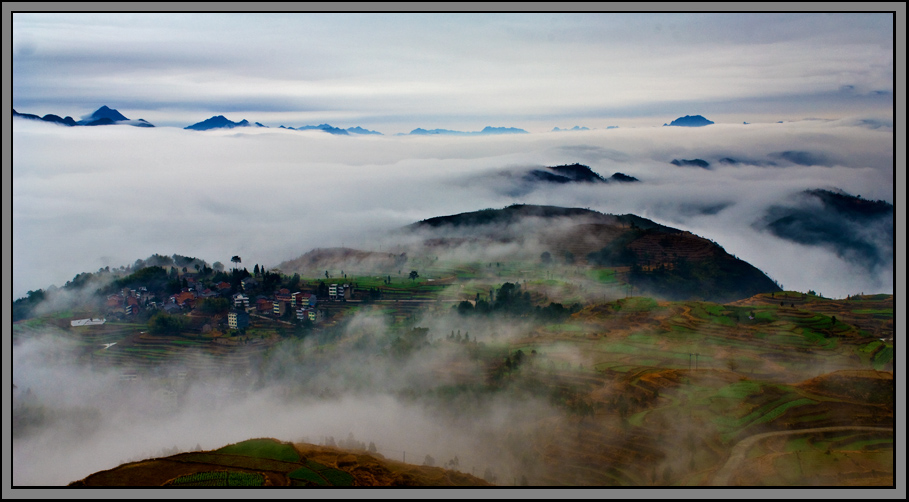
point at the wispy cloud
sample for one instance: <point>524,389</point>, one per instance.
<point>427,67</point>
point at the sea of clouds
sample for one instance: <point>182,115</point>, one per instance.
<point>86,198</point>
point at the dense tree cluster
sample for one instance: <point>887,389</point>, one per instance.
<point>510,300</point>
<point>23,308</point>
<point>163,323</point>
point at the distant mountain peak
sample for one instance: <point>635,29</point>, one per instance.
<point>691,162</point>
<point>690,121</point>
<point>110,113</point>
<point>217,122</point>
<point>623,178</point>
<point>502,130</point>
<point>103,116</point>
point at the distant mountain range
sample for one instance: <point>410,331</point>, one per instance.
<point>573,173</point>
<point>220,122</point>
<point>101,116</point>
<point>486,130</point>
<point>333,130</point>
<point>108,116</point>
<point>690,121</point>
<point>579,128</point>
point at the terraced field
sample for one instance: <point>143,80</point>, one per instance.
<point>268,462</point>
<point>646,392</point>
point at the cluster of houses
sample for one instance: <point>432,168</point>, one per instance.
<point>129,302</point>
<point>302,304</point>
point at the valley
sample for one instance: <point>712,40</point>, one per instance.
<point>632,390</point>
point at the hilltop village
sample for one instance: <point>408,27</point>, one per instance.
<point>179,294</point>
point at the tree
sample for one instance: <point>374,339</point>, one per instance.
<point>166,324</point>
<point>217,266</point>
<point>236,259</point>
<point>546,258</point>
<point>429,461</point>
<point>413,275</point>
<point>569,258</point>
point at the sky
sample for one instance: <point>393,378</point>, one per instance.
<point>397,72</point>
<point>85,198</point>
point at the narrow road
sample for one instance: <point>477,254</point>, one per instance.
<point>721,478</point>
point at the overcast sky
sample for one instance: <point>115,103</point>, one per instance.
<point>85,198</point>
<point>396,72</point>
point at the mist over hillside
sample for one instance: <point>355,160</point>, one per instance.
<point>504,394</point>
<point>193,193</point>
<point>859,230</point>
<point>353,250</point>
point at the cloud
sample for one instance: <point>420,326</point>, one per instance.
<point>79,408</point>
<point>270,195</point>
<point>467,67</point>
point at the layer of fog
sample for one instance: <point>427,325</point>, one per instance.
<point>73,416</point>
<point>86,198</point>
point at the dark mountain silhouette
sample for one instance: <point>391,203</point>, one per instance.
<point>857,229</point>
<point>622,178</point>
<point>101,116</point>
<point>97,122</point>
<point>690,121</point>
<point>217,122</point>
<point>68,121</point>
<point>656,259</point>
<point>691,162</point>
<point>802,158</point>
<point>506,216</point>
<point>565,174</point>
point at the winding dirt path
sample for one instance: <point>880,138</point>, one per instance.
<point>721,478</point>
